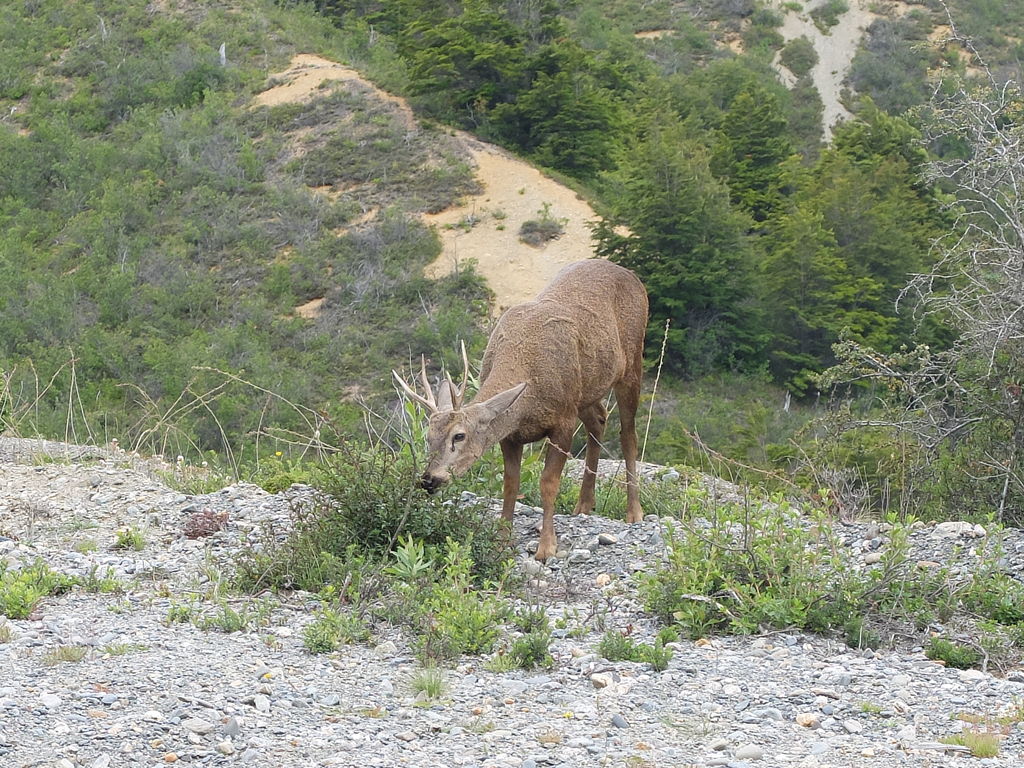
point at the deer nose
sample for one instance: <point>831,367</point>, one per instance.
<point>430,483</point>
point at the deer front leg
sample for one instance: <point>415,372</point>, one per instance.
<point>512,453</point>
<point>628,397</point>
<point>550,480</point>
<point>594,419</point>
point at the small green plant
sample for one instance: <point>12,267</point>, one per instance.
<point>544,228</point>
<point>501,662</point>
<point>65,654</point>
<point>533,619</point>
<point>411,564</point>
<point>106,584</point>
<point>85,546</point>
<point>860,636</point>
<point>429,683</point>
<point>869,707</point>
<point>952,654</point>
<point>330,629</point>
<point>181,613</point>
<point>981,743</point>
<point>6,634</point>
<point>532,650</point>
<point>123,649</point>
<point>129,538</point>
<point>21,591</point>
<point>616,646</point>
<point>229,620</point>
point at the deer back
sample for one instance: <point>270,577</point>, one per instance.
<point>571,345</point>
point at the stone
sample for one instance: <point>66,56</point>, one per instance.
<point>406,736</point>
<point>719,744</point>
<point>606,539</point>
<point>853,726</point>
<point>602,679</point>
<point>619,721</point>
<point>261,702</point>
<point>385,650</point>
<point>749,752</point>
<point>50,700</point>
<point>232,728</point>
<point>954,529</point>
<point>872,557</point>
<point>808,719</point>
<point>198,726</point>
<point>603,580</point>
<point>226,747</point>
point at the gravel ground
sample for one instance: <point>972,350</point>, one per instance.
<point>148,693</point>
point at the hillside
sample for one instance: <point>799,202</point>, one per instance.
<point>223,225</point>
<point>105,675</point>
<point>482,227</point>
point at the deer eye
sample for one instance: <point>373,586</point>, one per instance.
<point>458,437</point>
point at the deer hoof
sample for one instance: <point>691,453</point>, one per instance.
<point>583,509</point>
<point>544,552</point>
<point>635,515</point>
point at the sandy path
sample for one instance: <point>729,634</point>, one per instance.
<point>835,52</point>
<point>513,192</point>
<point>485,227</point>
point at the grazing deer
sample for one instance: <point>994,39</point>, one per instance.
<point>548,364</point>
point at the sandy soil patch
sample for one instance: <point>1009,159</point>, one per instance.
<point>307,74</point>
<point>654,34</point>
<point>835,49</point>
<point>311,309</point>
<point>485,228</point>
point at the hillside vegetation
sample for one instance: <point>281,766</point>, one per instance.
<point>165,238</point>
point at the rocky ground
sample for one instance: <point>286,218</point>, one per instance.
<point>149,693</point>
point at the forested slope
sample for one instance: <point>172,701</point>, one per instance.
<point>156,222</point>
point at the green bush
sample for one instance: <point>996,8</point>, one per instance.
<point>21,591</point>
<point>953,654</point>
<point>827,14</point>
<point>799,56</point>
<point>332,628</point>
<point>616,646</point>
<point>370,502</point>
<point>532,650</point>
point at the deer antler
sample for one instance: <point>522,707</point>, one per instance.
<point>461,391</point>
<point>427,402</point>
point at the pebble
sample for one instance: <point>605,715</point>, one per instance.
<point>748,752</point>
<point>619,721</point>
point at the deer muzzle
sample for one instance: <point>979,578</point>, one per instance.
<point>431,483</point>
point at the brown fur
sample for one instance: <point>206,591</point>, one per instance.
<point>548,364</point>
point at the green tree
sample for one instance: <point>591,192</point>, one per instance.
<point>690,248</point>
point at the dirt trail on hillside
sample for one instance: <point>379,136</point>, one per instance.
<point>484,228</point>
<point>835,48</point>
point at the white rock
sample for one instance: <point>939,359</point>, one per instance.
<point>749,752</point>
<point>853,726</point>
<point>954,528</point>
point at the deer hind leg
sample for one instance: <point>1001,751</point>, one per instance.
<point>550,480</point>
<point>627,395</point>
<point>594,419</point>
<point>512,454</point>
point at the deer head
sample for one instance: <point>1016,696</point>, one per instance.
<point>457,435</point>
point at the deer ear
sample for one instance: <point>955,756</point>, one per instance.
<point>446,396</point>
<point>502,401</point>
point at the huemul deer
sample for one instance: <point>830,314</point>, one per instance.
<point>548,364</point>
